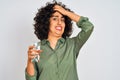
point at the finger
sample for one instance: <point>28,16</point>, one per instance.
<point>33,53</point>
<point>35,50</point>
<point>56,9</point>
<point>31,57</point>
<point>39,51</point>
<point>31,47</point>
<point>30,51</point>
<point>57,6</point>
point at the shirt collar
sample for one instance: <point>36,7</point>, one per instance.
<point>44,41</point>
<point>62,40</point>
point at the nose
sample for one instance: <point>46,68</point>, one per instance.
<point>59,21</point>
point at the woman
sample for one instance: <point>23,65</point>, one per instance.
<point>58,54</point>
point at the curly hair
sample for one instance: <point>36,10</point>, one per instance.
<point>41,25</point>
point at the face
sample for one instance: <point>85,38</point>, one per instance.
<point>57,25</point>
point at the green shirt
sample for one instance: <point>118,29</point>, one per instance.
<point>60,63</point>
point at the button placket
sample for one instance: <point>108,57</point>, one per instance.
<point>57,65</point>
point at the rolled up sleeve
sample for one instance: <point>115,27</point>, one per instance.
<point>86,30</point>
<point>29,77</point>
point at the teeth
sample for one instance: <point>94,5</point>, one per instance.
<point>59,28</point>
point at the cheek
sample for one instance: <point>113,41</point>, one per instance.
<point>52,27</point>
<point>63,26</point>
<point>52,23</point>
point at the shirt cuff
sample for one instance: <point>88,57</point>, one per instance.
<point>81,20</point>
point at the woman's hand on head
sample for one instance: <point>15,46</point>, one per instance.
<point>60,9</point>
<point>65,12</point>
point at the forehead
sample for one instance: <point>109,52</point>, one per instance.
<point>57,14</point>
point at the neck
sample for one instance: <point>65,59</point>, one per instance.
<point>53,41</point>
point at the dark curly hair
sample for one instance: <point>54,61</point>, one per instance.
<point>41,25</point>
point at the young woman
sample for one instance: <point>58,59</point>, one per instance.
<point>58,54</point>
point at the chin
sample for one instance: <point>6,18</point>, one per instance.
<point>59,34</point>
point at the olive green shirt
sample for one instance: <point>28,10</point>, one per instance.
<point>60,63</point>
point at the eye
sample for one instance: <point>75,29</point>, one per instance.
<point>54,18</point>
<point>62,19</point>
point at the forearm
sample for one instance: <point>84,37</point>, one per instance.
<point>30,71</point>
<point>73,16</point>
<point>30,68</point>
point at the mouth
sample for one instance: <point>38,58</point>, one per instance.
<point>59,28</point>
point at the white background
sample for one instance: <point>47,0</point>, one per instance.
<point>99,58</point>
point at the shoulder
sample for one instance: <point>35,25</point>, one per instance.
<point>70,40</point>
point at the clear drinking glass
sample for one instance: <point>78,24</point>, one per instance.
<point>37,47</point>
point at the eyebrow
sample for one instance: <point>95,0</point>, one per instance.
<point>56,16</point>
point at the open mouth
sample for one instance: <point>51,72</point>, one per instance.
<point>58,28</point>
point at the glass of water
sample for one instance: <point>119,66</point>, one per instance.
<point>37,47</point>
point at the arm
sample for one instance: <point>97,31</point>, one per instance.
<point>86,30</point>
<point>31,69</point>
<point>82,22</point>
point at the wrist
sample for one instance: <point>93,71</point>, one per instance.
<point>29,61</point>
